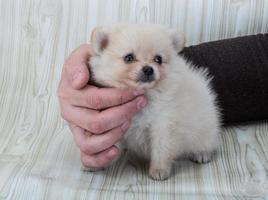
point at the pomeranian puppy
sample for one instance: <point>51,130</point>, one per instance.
<point>181,118</point>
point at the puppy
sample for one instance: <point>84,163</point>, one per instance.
<point>181,117</point>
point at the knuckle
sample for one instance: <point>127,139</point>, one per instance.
<point>63,114</point>
<point>85,164</point>
<point>61,94</point>
<point>81,147</point>
<point>88,162</point>
<point>85,148</point>
<point>85,161</point>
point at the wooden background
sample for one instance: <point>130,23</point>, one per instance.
<point>38,158</point>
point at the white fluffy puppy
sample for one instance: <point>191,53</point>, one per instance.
<point>181,117</point>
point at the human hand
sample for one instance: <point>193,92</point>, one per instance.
<point>98,117</point>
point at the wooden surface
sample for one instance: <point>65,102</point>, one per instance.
<point>38,157</point>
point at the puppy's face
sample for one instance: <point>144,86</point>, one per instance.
<point>133,56</point>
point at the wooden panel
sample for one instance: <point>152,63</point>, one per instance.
<point>38,158</point>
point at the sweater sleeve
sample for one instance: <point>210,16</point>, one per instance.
<point>239,67</point>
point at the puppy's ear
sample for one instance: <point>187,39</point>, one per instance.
<point>99,39</point>
<point>178,40</point>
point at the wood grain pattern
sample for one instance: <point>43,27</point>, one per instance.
<point>38,158</point>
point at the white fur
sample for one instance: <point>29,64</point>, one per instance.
<point>181,117</point>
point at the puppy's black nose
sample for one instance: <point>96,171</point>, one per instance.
<point>148,71</point>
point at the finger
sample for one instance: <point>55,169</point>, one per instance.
<point>99,122</point>
<point>100,98</point>
<point>116,116</point>
<point>79,134</point>
<point>76,66</point>
<point>81,117</point>
<point>97,143</point>
<point>101,159</point>
<point>82,53</point>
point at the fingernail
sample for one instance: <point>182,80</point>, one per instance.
<point>125,126</point>
<point>138,92</point>
<point>141,103</point>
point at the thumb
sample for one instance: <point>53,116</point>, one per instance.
<point>79,77</point>
<point>76,66</point>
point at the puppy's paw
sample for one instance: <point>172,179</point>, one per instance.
<point>159,174</point>
<point>201,157</point>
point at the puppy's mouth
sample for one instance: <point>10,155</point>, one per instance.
<point>146,82</point>
<point>145,79</point>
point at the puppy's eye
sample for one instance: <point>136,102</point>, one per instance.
<point>158,59</point>
<point>129,58</point>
